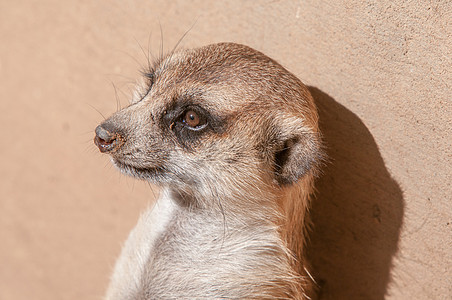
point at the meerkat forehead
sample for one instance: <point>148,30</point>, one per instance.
<point>230,77</point>
<point>215,65</point>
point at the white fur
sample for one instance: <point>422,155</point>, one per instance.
<point>130,266</point>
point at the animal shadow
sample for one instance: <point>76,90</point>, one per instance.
<point>357,212</point>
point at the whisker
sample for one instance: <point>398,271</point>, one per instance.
<point>118,101</point>
<point>96,110</point>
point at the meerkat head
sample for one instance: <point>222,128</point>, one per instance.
<point>218,120</point>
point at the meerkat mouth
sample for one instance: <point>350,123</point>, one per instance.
<point>136,171</point>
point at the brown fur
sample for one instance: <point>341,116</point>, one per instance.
<point>236,190</point>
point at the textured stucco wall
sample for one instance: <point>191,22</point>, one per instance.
<point>380,72</point>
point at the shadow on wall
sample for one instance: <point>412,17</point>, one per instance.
<point>358,211</point>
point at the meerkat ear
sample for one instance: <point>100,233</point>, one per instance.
<point>297,156</point>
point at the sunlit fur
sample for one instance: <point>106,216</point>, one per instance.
<point>231,221</point>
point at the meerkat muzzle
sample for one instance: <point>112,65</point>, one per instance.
<point>105,140</point>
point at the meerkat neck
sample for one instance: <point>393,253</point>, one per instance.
<point>252,203</point>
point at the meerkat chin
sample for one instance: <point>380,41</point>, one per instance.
<point>232,139</point>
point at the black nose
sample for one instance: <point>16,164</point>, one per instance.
<point>105,140</point>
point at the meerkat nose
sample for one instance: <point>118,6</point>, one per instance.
<point>105,140</point>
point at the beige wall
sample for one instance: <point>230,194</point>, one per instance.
<point>380,73</point>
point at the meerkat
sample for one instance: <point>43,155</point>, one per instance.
<point>232,139</point>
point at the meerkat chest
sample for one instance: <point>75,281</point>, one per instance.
<point>174,253</point>
<point>138,249</point>
<point>201,255</point>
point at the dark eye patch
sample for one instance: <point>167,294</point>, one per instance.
<point>188,135</point>
<point>189,122</point>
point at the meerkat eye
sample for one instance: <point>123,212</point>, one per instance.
<point>193,119</point>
